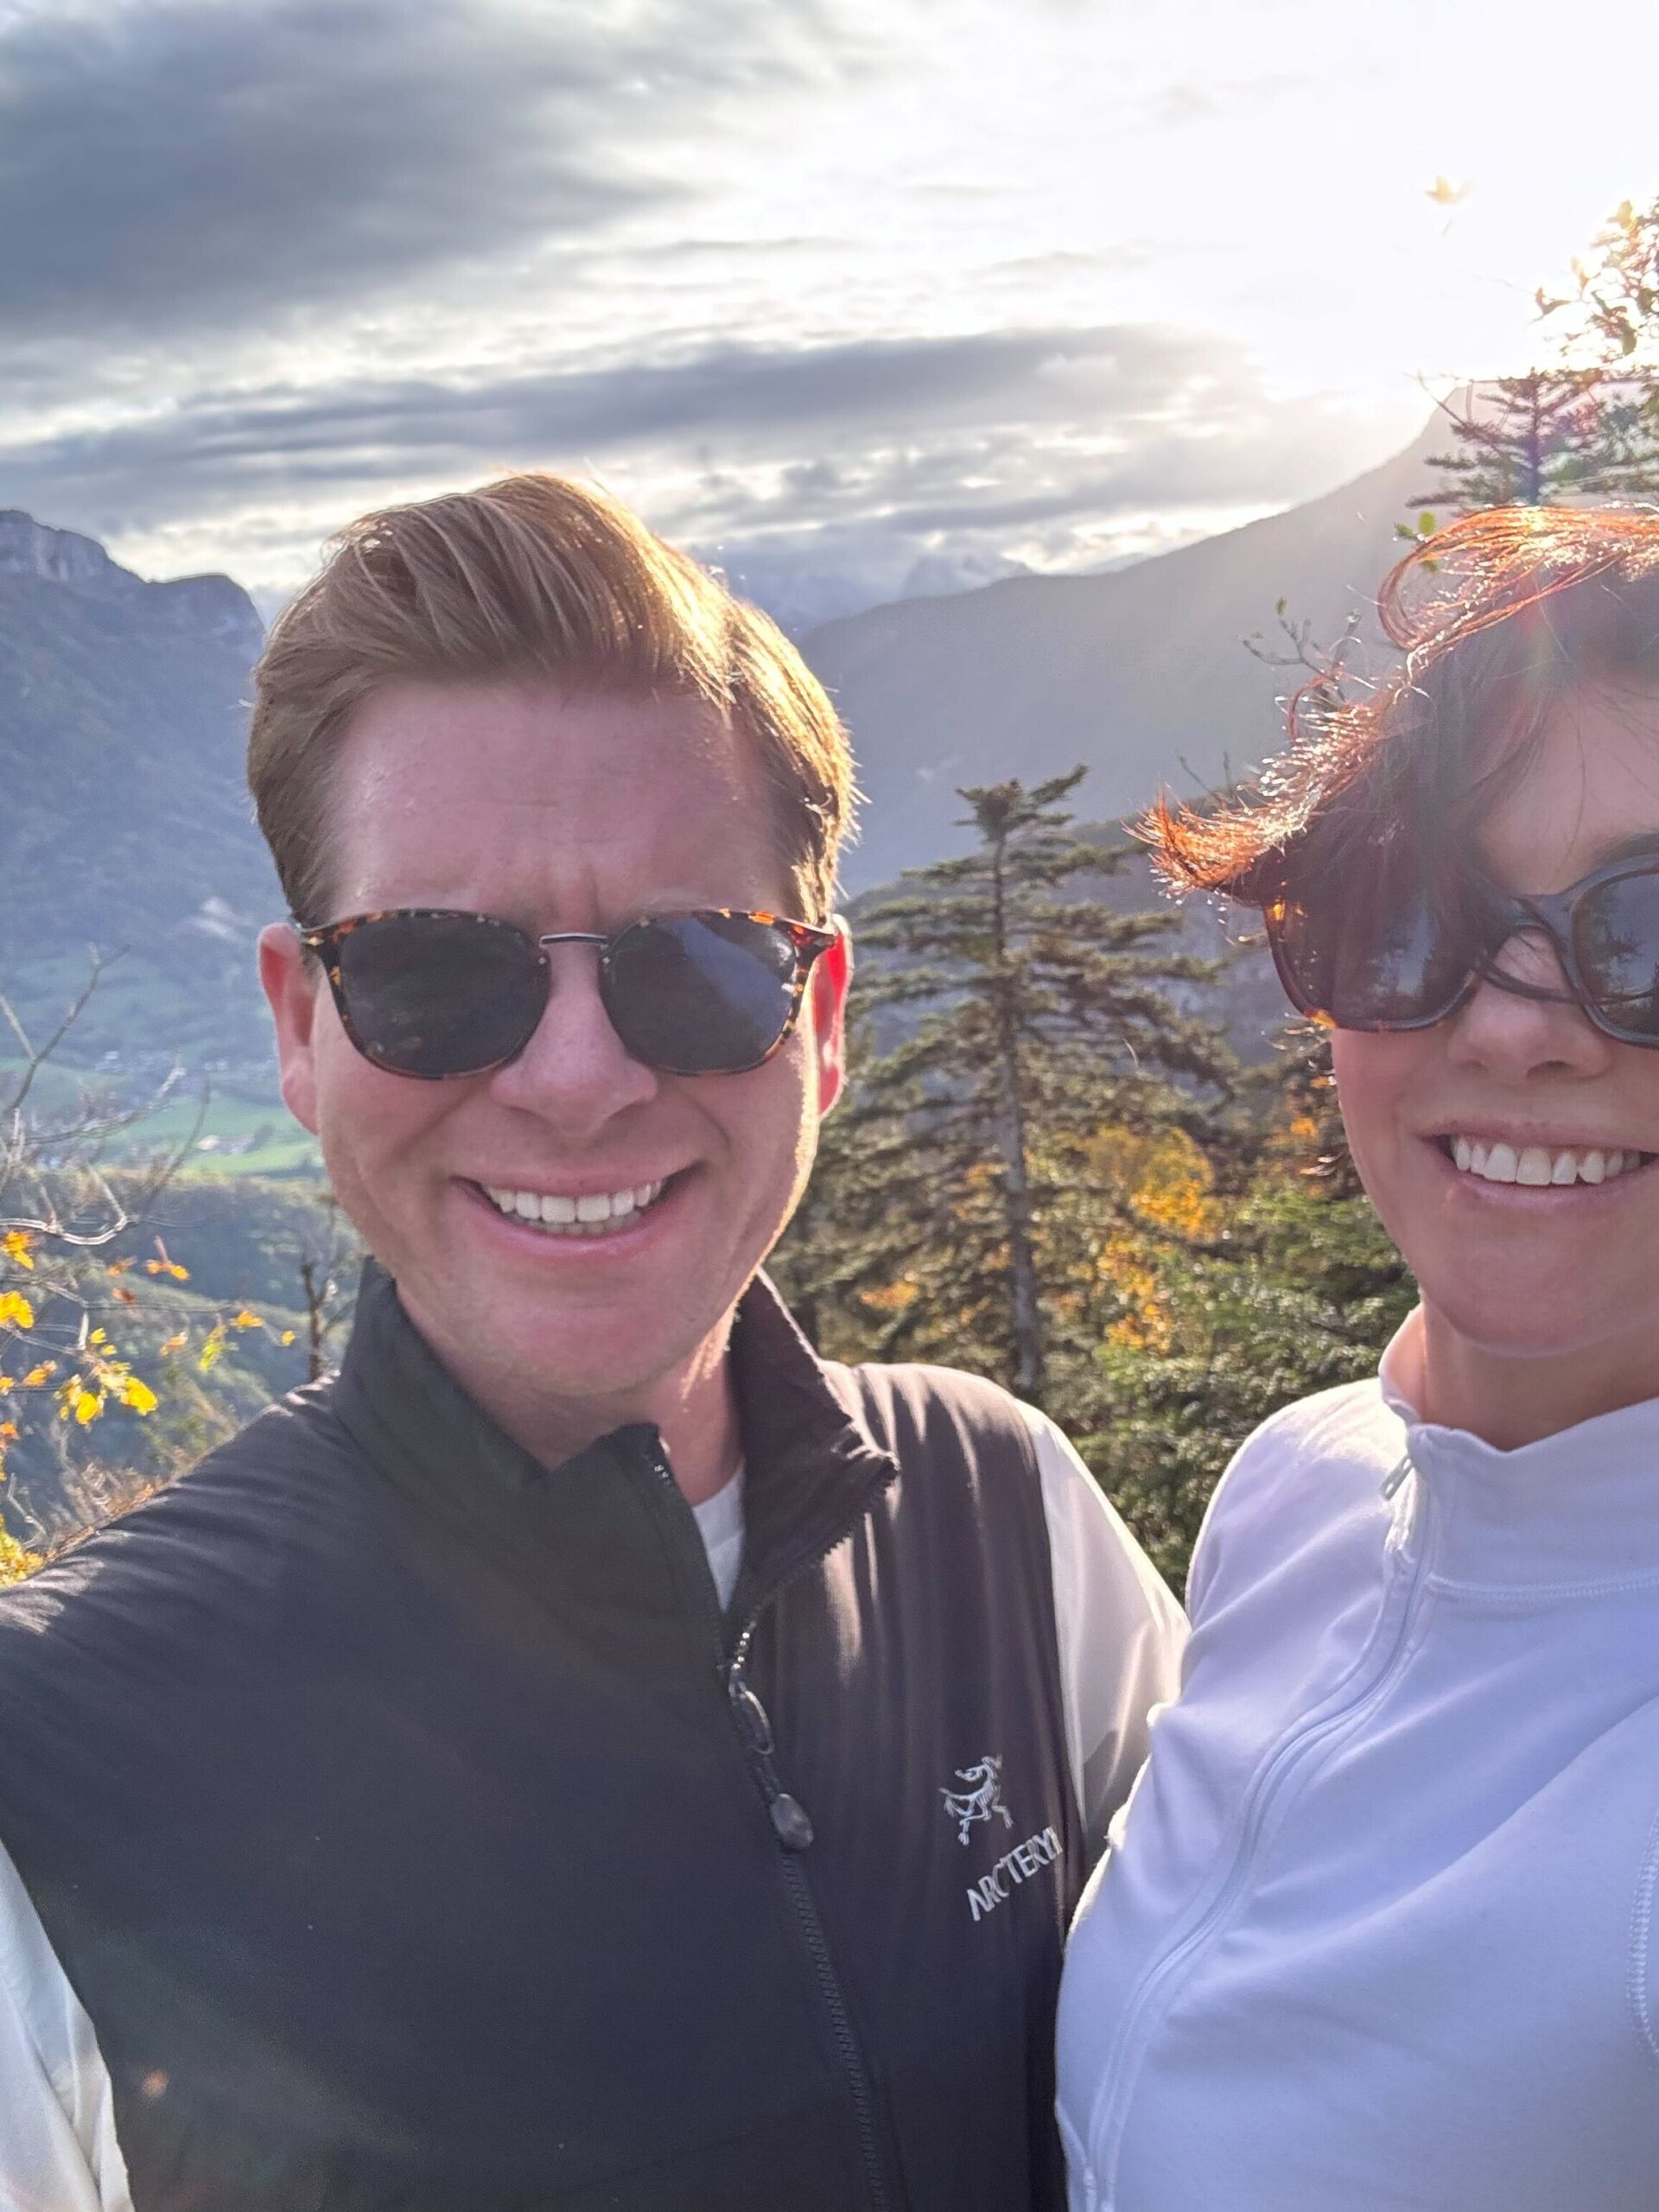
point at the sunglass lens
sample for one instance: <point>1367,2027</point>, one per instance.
<point>1615,935</point>
<point>1375,953</point>
<point>701,994</point>
<point>438,994</point>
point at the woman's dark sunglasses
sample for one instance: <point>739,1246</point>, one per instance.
<point>427,992</point>
<point>1379,952</point>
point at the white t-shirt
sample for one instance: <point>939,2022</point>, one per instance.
<point>720,1523</point>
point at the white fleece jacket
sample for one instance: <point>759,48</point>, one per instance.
<point>1376,1931</point>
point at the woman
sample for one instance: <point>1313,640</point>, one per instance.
<point>1378,1929</point>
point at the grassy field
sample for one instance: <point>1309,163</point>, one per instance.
<point>228,1136</point>
<point>224,1128</point>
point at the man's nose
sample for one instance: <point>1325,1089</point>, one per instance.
<point>575,1070</point>
<point>1522,1016</point>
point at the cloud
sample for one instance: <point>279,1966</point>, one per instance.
<point>758,401</point>
<point>171,165</point>
<point>264,264</point>
<point>931,458</point>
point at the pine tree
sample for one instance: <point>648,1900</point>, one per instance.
<point>1586,427</point>
<point>1539,439</point>
<point>961,1205</point>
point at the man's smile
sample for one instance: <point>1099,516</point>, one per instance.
<point>592,1213</point>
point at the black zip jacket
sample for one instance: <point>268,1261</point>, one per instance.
<point>418,1833</point>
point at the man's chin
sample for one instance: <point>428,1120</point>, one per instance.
<point>562,1347</point>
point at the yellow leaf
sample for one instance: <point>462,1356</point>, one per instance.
<point>16,1245</point>
<point>98,1337</point>
<point>13,1307</point>
<point>170,1268</point>
<point>8,1431</point>
<point>286,1337</point>
<point>84,1404</point>
<point>244,1319</point>
<point>174,1343</point>
<point>36,1375</point>
<point>15,1561</point>
<point>139,1395</point>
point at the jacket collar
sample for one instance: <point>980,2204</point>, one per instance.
<point>812,1466</point>
<point>1569,1515</point>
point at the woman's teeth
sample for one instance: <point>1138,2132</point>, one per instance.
<point>600,1214</point>
<point>1538,1165</point>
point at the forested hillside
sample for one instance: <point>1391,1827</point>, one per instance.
<point>1142,673</point>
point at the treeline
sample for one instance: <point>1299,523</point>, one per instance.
<point>1054,1168</point>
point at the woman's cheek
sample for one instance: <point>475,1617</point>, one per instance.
<point>1373,1078</point>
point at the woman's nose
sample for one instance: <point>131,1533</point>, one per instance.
<point>1522,1015</point>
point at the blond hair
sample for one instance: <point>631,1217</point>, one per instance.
<point>531,574</point>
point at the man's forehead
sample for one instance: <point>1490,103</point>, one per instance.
<point>545,715</point>
<point>488,784</point>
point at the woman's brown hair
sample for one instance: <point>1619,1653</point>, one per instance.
<point>1496,616</point>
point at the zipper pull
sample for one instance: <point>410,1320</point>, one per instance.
<point>789,1823</point>
<point>1391,1484</point>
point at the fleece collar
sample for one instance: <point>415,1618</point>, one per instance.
<point>1573,1514</point>
<point>812,1465</point>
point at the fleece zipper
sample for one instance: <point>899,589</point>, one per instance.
<point>791,1827</point>
<point>1293,1758</point>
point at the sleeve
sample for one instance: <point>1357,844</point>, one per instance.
<point>1121,1633</point>
<point>58,2148</point>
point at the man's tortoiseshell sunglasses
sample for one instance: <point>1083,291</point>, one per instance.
<point>430,992</point>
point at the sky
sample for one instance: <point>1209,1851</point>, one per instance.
<point>857,298</point>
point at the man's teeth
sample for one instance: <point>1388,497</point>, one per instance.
<point>597,1214</point>
<point>1539,1166</point>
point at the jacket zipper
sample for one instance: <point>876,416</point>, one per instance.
<point>729,1675</point>
<point>1110,2116</point>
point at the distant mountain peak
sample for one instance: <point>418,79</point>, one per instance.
<point>126,823</point>
<point>1141,671</point>
<point>28,548</point>
<point>213,605</point>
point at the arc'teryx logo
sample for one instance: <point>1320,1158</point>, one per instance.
<point>980,1802</point>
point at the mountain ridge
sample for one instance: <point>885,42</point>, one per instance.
<point>1138,670</point>
<point>126,825</point>
<point>123,715</point>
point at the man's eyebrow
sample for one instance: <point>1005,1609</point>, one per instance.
<point>1644,845</point>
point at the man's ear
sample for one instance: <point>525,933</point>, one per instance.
<point>295,986</point>
<point>832,978</point>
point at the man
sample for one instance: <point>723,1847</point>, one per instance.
<point>590,1752</point>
